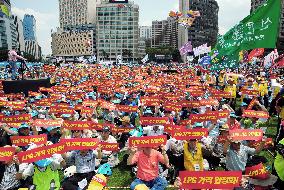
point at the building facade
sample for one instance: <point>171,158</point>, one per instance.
<point>280,42</point>
<point>165,33</point>
<point>145,32</point>
<point>18,23</point>
<point>73,43</point>
<point>5,27</point>
<point>141,48</point>
<point>117,30</point>
<point>77,12</point>
<point>157,32</point>
<point>205,28</point>
<point>32,48</point>
<point>29,27</point>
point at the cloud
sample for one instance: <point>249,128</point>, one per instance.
<point>44,23</point>
<point>231,12</point>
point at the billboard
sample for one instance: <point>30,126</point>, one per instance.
<point>118,1</point>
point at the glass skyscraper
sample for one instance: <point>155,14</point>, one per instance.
<point>29,24</point>
<point>117,30</point>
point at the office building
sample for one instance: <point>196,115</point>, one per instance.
<point>29,26</point>
<point>141,48</point>
<point>205,28</point>
<point>80,41</point>
<point>165,33</point>
<point>18,24</point>
<point>117,30</point>
<point>77,12</point>
<point>145,32</point>
<point>32,48</point>
<point>280,42</point>
<point>5,26</point>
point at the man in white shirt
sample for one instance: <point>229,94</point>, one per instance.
<point>155,130</point>
<point>108,156</point>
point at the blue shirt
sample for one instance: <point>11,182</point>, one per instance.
<point>84,164</point>
<point>237,161</point>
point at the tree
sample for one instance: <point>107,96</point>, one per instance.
<point>127,53</point>
<point>105,54</point>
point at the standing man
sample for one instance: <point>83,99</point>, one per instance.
<point>147,160</point>
<point>13,58</point>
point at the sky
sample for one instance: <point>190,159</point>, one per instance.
<point>46,13</point>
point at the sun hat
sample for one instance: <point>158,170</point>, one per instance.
<point>24,125</point>
<point>125,119</point>
<point>141,187</point>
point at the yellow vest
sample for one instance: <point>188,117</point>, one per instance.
<point>263,89</point>
<point>231,88</point>
<point>190,160</point>
<point>221,80</point>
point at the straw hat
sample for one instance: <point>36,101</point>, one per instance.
<point>125,119</point>
<point>141,187</point>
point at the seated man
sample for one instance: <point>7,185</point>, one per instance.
<point>147,160</point>
<point>108,156</point>
<point>85,162</point>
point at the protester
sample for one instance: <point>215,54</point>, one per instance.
<point>12,58</point>
<point>147,160</point>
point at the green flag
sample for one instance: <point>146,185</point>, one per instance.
<point>222,62</point>
<point>258,30</point>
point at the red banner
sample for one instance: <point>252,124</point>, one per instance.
<point>169,128</point>
<point>61,110</point>
<point>153,141</point>
<point>221,94</point>
<point>43,89</point>
<point>220,114</point>
<point>209,102</point>
<point>15,118</point>
<point>31,93</point>
<point>255,53</point>
<point>185,122</point>
<point>222,139</point>
<point>151,101</point>
<point>80,143</point>
<point>256,114</point>
<point>45,123</point>
<point>153,120</point>
<point>87,111</point>
<point>40,153</point>
<point>172,106</point>
<point>44,102</point>
<point>109,146</point>
<point>17,105</point>
<point>258,171</point>
<point>121,129</point>
<point>92,103</point>
<point>202,117</point>
<point>125,108</point>
<point>250,92</point>
<point>210,179</point>
<point>190,104</point>
<point>268,143</point>
<point>78,125</point>
<point>246,134</point>
<point>251,104</point>
<point>187,134</point>
<point>7,153</point>
<point>26,140</point>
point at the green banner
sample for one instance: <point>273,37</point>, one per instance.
<point>221,63</point>
<point>258,30</point>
